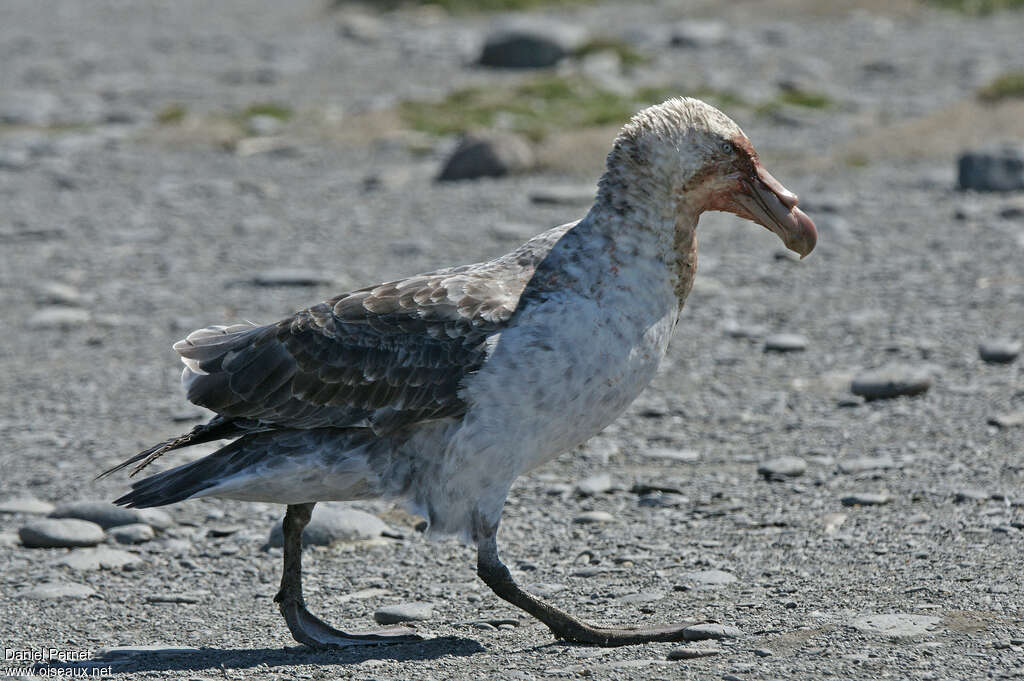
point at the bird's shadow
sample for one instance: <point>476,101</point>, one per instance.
<point>198,659</point>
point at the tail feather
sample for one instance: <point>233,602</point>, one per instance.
<point>217,428</point>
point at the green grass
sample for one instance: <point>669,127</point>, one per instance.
<point>272,109</point>
<point>466,6</point>
<point>627,54</point>
<point>172,114</point>
<point>534,107</point>
<point>977,7</point>
<point>1005,86</point>
<point>804,99</point>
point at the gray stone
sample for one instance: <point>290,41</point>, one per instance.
<point>57,590</point>
<point>995,169</point>
<point>891,381</point>
<point>896,625</point>
<point>290,277</point>
<point>866,499</point>
<point>785,342</point>
<point>404,612</point>
<point>50,533</point>
<point>331,524</point>
<point>490,154</point>
<point>699,34</point>
<point>58,318</point>
<point>157,518</point>
<point>103,513</point>
<point>691,653</point>
<point>530,44</point>
<point>1010,420</point>
<point>782,467</point>
<point>262,125</point>
<point>671,454</point>
<point>593,517</point>
<point>710,578</point>
<point>59,293</point>
<point>564,195</point>
<point>29,505</point>
<point>702,632</point>
<point>641,597</point>
<point>971,494</point>
<point>99,558</point>
<point>135,533</point>
<point>999,351</point>
<point>866,463</point>
<point>178,597</point>
<point>595,484</point>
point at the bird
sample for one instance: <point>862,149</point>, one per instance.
<point>438,390</point>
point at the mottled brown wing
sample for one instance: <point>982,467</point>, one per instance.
<point>384,357</point>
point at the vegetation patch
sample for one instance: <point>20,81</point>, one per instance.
<point>1006,86</point>
<point>540,106</point>
<point>272,109</point>
<point>172,114</point>
<point>626,52</point>
<point>977,7</point>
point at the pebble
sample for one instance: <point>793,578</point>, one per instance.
<point>999,351</point>
<point>59,293</point>
<point>1011,420</point>
<point>785,342</point>
<point>702,632</point>
<point>134,533</point>
<point>289,277</point>
<point>57,590</point>
<point>99,558</point>
<point>529,44</point>
<point>59,318</point>
<point>178,597</point>
<point>710,579</point>
<point>564,195</point>
<point>671,454</point>
<point>641,597</point>
<point>691,653</point>
<point>699,34</point>
<point>993,169</point>
<point>833,521</point>
<point>866,463</point>
<point>404,612</point>
<point>490,154</point>
<point>595,484</point>
<point>28,505</point>
<point>866,499</point>
<point>262,125</point>
<point>50,533</point>
<point>891,381</point>
<point>782,468</point>
<point>971,494</point>
<point>331,524</point>
<point>896,625</point>
<point>593,517</point>
<point>103,513</point>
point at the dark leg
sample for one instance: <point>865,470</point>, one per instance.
<point>563,625</point>
<point>308,628</point>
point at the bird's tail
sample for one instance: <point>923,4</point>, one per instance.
<point>217,428</point>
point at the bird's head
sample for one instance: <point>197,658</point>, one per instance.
<point>703,159</point>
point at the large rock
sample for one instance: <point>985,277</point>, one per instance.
<point>891,381</point>
<point>103,513</point>
<point>52,533</point>
<point>530,45</point>
<point>996,169</point>
<point>331,524</point>
<point>487,155</point>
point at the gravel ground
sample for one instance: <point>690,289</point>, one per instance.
<point>892,546</point>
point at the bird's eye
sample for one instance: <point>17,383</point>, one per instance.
<point>727,148</point>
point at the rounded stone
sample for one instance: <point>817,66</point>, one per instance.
<point>50,533</point>
<point>57,590</point>
<point>404,612</point>
<point>785,342</point>
<point>896,625</point>
<point>593,517</point>
<point>27,505</point>
<point>892,381</point>
<point>99,558</point>
<point>691,653</point>
<point>710,578</point>
<point>331,524</point>
<point>999,351</point>
<point>135,533</point>
<point>782,467</point>
<point>702,632</point>
<point>866,499</point>
<point>103,513</point>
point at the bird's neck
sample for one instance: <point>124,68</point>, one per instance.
<point>642,220</point>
